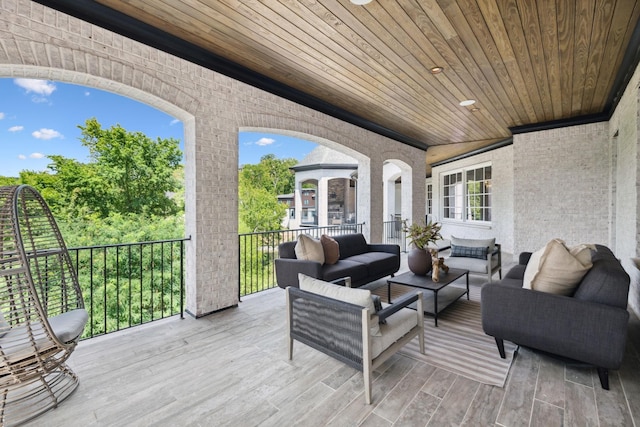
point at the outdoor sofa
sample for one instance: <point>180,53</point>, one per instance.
<point>359,260</point>
<point>588,325</point>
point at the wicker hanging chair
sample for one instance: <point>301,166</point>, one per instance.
<point>41,309</point>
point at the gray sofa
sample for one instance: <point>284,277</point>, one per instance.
<point>590,326</point>
<point>359,260</point>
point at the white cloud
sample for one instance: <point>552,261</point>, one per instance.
<point>174,122</point>
<point>36,155</point>
<point>1,116</point>
<point>41,87</point>
<point>46,134</point>
<point>16,128</point>
<point>22,157</point>
<point>265,141</point>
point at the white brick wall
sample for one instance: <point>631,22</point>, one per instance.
<point>37,42</point>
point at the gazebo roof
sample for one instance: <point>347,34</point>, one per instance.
<point>322,157</point>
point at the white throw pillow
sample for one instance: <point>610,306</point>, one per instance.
<point>556,268</point>
<point>309,249</point>
<point>361,297</point>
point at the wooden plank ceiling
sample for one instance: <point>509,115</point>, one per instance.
<point>525,62</point>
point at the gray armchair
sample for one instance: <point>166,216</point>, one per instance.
<point>479,256</point>
<point>343,331</point>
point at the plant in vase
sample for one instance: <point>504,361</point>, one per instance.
<point>420,235</point>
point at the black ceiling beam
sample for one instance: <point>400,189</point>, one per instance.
<point>112,20</point>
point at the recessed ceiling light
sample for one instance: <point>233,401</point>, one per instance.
<point>467,102</point>
<point>474,109</point>
<point>436,70</point>
<point>360,2</point>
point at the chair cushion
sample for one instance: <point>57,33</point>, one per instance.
<point>69,326</point>
<point>361,297</point>
<point>469,251</point>
<point>397,326</point>
<point>556,268</point>
<point>309,249</point>
<point>474,243</point>
<point>474,265</point>
<point>331,249</point>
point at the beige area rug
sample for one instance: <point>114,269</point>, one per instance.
<point>459,344</point>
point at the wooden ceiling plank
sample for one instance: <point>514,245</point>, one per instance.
<point>353,29</point>
<point>511,16</point>
<point>531,28</point>
<point>550,37</point>
<point>602,20</point>
<point>582,28</point>
<point>622,26</point>
<point>565,11</point>
<point>491,13</point>
<point>466,40</point>
<point>480,28</point>
<point>415,38</point>
<point>462,72</point>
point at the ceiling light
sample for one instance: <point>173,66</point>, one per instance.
<point>467,102</point>
<point>360,2</point>
<point>474,109</point>
<point>436,70</point>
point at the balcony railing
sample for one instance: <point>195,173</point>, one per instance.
<point>259,250</point>
<point>392,233</point>
<point>129,284</point>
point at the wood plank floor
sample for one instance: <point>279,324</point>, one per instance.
<point>231,369</point>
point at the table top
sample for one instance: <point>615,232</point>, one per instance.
<point>425,282</point>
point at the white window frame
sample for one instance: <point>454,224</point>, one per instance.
<point>460,197</point>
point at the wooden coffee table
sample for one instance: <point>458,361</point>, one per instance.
<point>442,295</point>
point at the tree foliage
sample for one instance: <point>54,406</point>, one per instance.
<point>258,188</point>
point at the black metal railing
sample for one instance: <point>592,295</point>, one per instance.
<point>129,284</point>
<point>259,250</point>
<point>392,233</point>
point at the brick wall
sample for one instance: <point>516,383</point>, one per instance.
<point>38,42</point>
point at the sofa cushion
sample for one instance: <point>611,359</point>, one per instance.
<point>474,243</point>
<point>309,249</point>
<point>469,251</point>
<point>343,268</point>
<point>474,265</point>
<point>377,263</point>
<point>361,297</point>
<point>331,249</point>
<point>352,244</point>
<point>557,269</point>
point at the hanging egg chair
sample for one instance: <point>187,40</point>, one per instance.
<point>42,313</point>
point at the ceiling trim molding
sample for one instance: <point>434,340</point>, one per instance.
<point>503,143</point>
<point>323,166</point>
<point>554,124</point>
<point>112,20</point>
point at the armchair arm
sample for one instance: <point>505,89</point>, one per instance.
<point>287,270</point>
<point>402,302</point>
<point>586,331</point>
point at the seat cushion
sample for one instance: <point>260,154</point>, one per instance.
<point>343,268</point>
<point>377,263</point>
<point>69,326</point>
<point>474,265</point>
<point>397,325</point>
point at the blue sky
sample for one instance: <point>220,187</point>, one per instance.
<point>40,118</point>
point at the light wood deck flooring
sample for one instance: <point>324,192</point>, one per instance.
<point>231,369</point>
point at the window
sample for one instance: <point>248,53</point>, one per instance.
<point>466,194</point>
<point>429,199</point>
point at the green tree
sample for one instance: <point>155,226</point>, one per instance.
<point>133,173</point>
<point>258,188</point>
